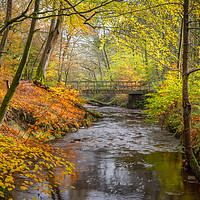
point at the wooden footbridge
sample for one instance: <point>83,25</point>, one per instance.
<point>111,87</point>
<point>136,90</point>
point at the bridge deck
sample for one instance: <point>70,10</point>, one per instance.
<point>111,87</point>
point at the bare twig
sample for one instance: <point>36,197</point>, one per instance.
<point>23,16</point>
<point>3,27</point>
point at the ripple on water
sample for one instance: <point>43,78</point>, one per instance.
<point>125,159</point>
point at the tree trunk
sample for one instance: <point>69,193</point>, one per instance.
<point>61,64</point>
<point>18,74</point>
<point>36,59</point>
<point>180,46</point>
<point>107,64</point>
<point>51,42</point>
<point>190,158</point>
<point>60,59</point>
<point>66,76</point>
<point>5,34</point>
<point>146,56</point>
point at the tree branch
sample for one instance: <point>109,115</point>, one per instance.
<point>59,9</point>
<point>192,71</point>
<point>167,67</point>
<point>144,9</point>
<point>23,16</point>
<point>194,21</point>
<point>157,60</point>
<point>197,28</point>
<point>164,65</point>
<point>81,14</point>
<point>3,27</point>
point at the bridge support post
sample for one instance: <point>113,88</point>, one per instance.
<point>136,100</point>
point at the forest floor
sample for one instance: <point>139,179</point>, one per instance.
<point>39,111</point>
<point>37,114</point>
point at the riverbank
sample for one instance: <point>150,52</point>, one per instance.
<point>166,113</point>
<point>35,115</point>
<point>40,111</point>
<point>120,100</point>
<point>121,157</point>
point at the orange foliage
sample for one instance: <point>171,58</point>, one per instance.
<point>51,112</point>
<point>45,113</point>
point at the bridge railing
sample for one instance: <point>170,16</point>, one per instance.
<point>109,86</point>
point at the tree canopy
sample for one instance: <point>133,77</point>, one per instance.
<point>52,42</point>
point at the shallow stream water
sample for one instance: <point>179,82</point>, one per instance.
<point>121,157</point>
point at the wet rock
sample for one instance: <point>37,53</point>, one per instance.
<point>75,140</point>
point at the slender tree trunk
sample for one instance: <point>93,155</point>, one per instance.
<point>106,61</point>
<point>107,64</point>
<point>18,74</point>
<point>66,75</point>
<point>5,34</point>
<point>190,159</point>
<point>100,70</point>
<point>36,59</point>
<point>146,56</point>
<point>180,46</point>
<point>51,42</point>
<point>185,92</point>
<point>60,59</point>
<point>61,65</point>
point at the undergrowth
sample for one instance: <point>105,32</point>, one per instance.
<point>165,108</point>
<point>43,114</point>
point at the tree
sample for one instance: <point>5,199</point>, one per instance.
<point>5,34</point>
<point>62,54</point>
<point>83,15</point>
<point>22,64</point>
<point>54,31</point>
<point>191,161</point>
<point>153,32</point>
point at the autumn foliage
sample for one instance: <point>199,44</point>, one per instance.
<point>165,107</point>
<point>43,113</point>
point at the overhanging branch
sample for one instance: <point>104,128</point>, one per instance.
<point>147,8</point>
<point>3,27</point>
<point>192,71</point>
<point>71,7</point>
<point>197,28</point>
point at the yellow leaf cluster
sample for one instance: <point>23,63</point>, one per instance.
<point>46,114</point>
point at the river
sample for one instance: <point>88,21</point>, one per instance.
<point>121,157</point>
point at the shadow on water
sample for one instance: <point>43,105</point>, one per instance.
<point>122,158</point>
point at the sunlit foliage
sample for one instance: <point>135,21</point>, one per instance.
<point>29,159</point>
<point>164,107</point>
<point>43,113</point>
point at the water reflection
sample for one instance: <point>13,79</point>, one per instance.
<point>122,158</point>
